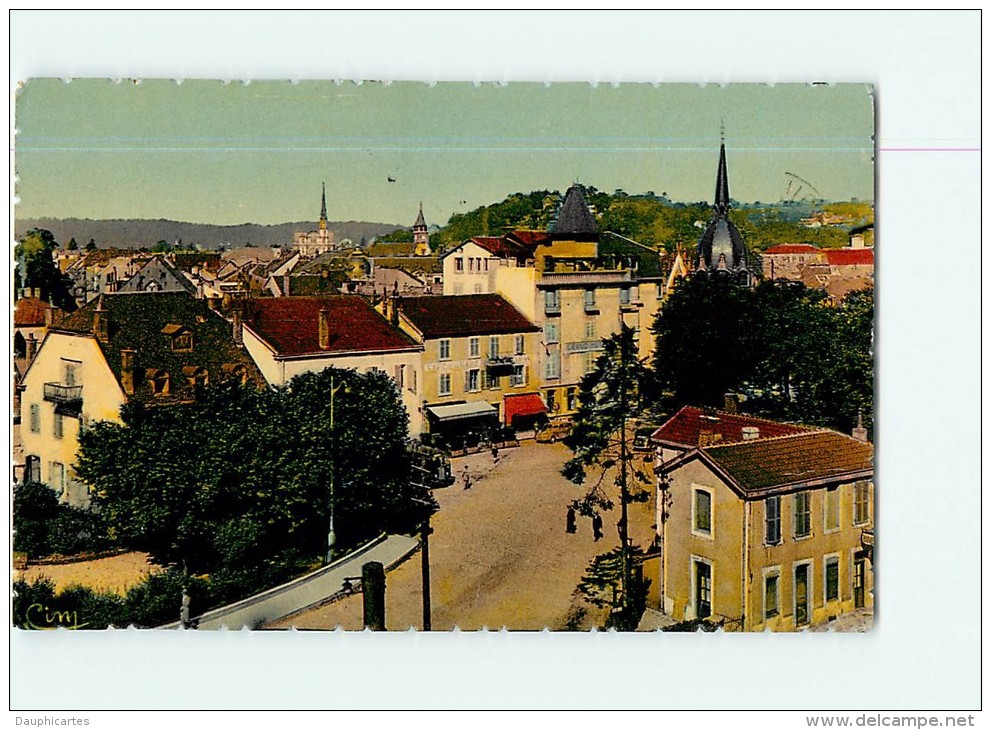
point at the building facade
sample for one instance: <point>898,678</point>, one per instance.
<point>772,533</point>
<point>313,243</point>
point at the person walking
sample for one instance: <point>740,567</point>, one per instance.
<point>572,526</point>
<point>466,477</point>
<point>495,454</point>
<point>597,527</point>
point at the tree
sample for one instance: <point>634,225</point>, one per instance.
<point>72,245</point>
<point>704,346</point>
<point>609,396</point>
<point>238,484</point>
<point>91,246</point>
<point>36,268</point>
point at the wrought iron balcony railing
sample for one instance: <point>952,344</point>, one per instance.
<point>63,394</point>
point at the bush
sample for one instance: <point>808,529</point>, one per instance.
<point>43,526</point>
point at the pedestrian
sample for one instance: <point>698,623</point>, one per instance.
<point>597,526</point>
<point>572,527</point>
<point>466,478</point>
<point>495,454</point>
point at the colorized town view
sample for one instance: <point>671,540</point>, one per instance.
<point>384,356</point>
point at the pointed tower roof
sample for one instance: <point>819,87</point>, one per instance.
<point>575,219</point>
<point>323,203</point>
<point>420,222</point>
<point>722,181</point>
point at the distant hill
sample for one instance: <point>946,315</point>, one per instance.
<point>136,233</point>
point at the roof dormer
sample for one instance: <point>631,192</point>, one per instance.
<point>181,337</point>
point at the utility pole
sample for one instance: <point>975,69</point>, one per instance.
<point>425,531</point>
<point>331,537</point>
<point>623,487</point>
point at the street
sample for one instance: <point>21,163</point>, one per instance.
<point>499,554</point>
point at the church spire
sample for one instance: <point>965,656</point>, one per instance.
<point>722,180</point>
<point>323,206</point>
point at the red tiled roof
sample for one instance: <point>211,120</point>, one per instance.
<point>793,248</point>
<point>850,256</point>
<point>464,316</point>
<point>684,427</point>
<point>803,458</point>
<point>530,238</point>
<point>502,247</point>
<point>30,312</point>
<point>291,325</point>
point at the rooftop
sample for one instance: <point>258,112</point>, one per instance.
<point>850,256</point>
<point>30,312</point>
<point>464,316</point>
<point>685,427</point>
<point>786,248</point>
<point>794,460</point>
<point>574,218</point>
<point>290,325</point>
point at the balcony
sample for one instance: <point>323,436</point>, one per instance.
<point>63,395</point>
<point>573,348</point>
<point>498,362</point>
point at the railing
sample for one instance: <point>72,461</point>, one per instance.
<point>495,361</point>
<point>58,393</point>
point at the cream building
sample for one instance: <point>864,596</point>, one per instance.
<point>286,336</point>
<point>313,243</point>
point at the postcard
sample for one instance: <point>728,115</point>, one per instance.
<point>392,355</point>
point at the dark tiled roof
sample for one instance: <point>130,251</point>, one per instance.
<point>30,312</point>
<point>158,272</point>
<point>575,217</point>
<point>817,456</point>
<point>684,427</point>
<point>291,325</point>
<point>850,256</point>
<point>411,264</point>
<point>138,321</point>
<point>464,316</point>
<point>328,282</point>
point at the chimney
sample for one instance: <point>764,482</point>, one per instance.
<point>49,317</point>
<point>127,370</point>
<point>285,285</point>
<point>394,310</point>
<point>30,347</point>
<point>101,322</point>
<point>857,240</point>
<point>237,324</point>
<point>731,402</point>
<point>860,433</point>
<point>324,328</point>
<point>751,433</point>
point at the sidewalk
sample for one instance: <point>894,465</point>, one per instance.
<point>310,590</point>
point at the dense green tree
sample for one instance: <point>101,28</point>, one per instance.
<point>239,483</point>
<point>36,268</point>
<point>91,246</point>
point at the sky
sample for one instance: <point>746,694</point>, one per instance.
<point>229,153</point>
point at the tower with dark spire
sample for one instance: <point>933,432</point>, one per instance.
<point>323,206</point>
<point>721,248</point>
<point>421,237</point>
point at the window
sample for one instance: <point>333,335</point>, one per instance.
<point>832,579</point>
<point>160,382</point>
<point>444,386</point>
<point>861,504</point>
<point>552,300</point>
<point>831,507</point>
<point>57,477</point>
<point>459,264</point>
<point>772,520</point>
<point>590,299</point>
<point>702,512</point>
<point>552,366</point>
<point>471,264</point>
<point>520,344</point>
<point>589,329</point>
<point>771,595</point>
<point>590,359</point>
<point>570,398</point>
<point>493,347</point>
<point>624,295</point>
<point>473,347</point>
<point>59,425</point>
<point>35,418</point>
<point>551,400</point>
<point>444,347</point>
<point>182,342</point>
<point>472,381</point>
<point>412,381</point>
<point>802,579</point>
<point>399,375</point>
<point>550,333</point>
<point>519,375</point>
<point>803,521</point>
<point>70,370</point>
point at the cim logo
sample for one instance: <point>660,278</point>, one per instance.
<point>42,618</point>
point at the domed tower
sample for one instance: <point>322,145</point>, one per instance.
<point>421,238</point>
<point>721,248</point>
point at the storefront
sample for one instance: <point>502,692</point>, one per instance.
<point>524,411</point>
<point>458,425</point>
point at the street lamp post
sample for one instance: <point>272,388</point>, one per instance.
<point>331,537</point>
<point>425,531</point>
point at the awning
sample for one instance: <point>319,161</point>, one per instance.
<point>457,411</point>
<point>526,404</point>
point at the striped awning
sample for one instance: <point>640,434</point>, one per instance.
<point>458,411</point>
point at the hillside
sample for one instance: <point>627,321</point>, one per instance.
<point>135,233</point>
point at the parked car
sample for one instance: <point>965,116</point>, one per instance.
<point>553,431</point>
<point>431,468</point>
